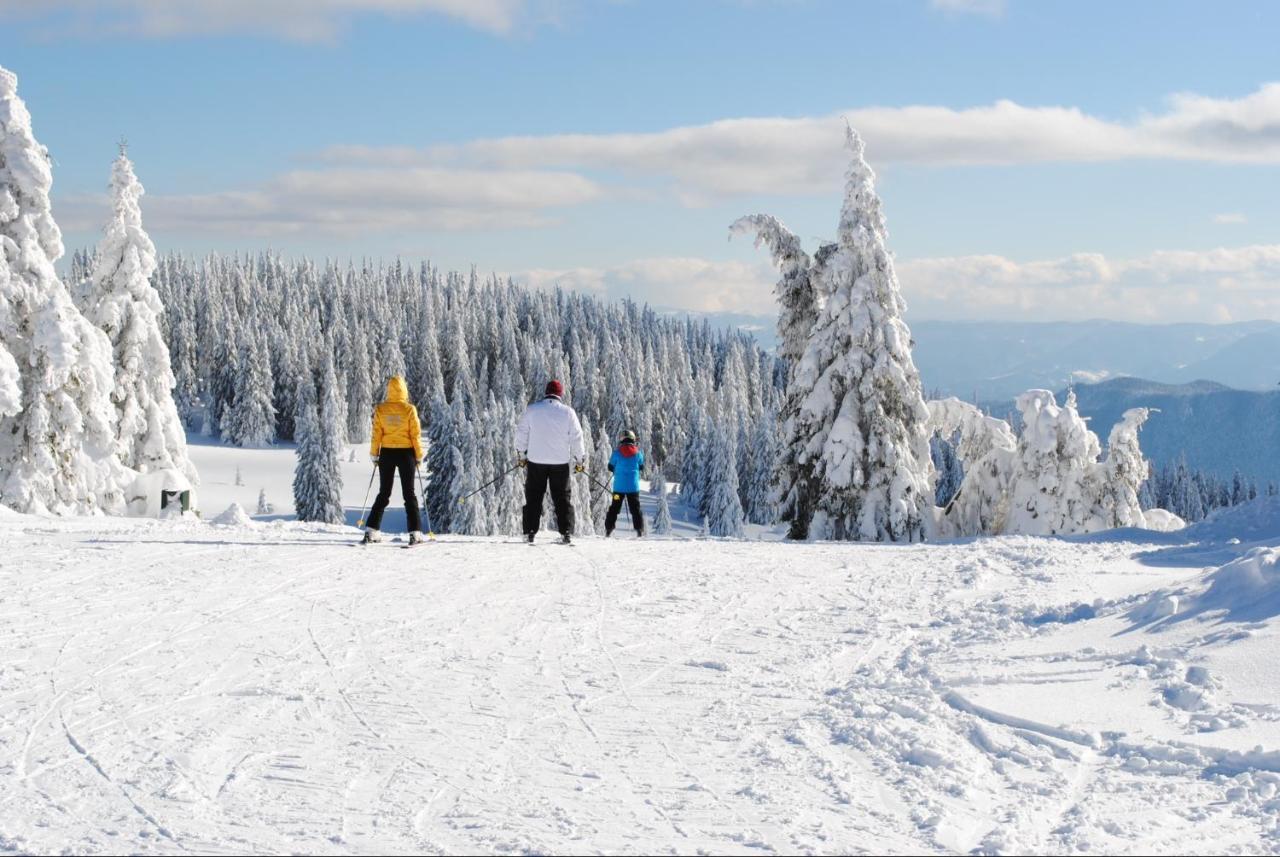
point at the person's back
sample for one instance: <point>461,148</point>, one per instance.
<point>395,445</point>
<point>627,465</point>
<point>395,421</point>
<point>550,432</point>
<point>548,438</point>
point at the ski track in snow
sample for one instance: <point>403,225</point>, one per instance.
<point>178,687</point>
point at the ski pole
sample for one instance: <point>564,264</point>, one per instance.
<point>422,500</point>
<point>602,486</point>
<point>365,504</point>
<point>491,482</point>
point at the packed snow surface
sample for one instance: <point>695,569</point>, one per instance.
<point>176,685</point>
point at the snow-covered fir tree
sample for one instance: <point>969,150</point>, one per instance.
<point>598,469</point>
<point>766,444</point>
<point>57,448</point>
<point>317,479</point>
<point>470,513</point>
<point>1172,487</point>
<point>986,452</point>
<point>1056,486</point>
<point>584,491</point>
<point>1124,472</point>
<point>252,418</point>
<point>856,462</point>
<point>265,507</point>
<point>122,303</point>
<point>724,510</point>
<point>441,474</point>
<point>661,525</point>
<point>1050,480</point>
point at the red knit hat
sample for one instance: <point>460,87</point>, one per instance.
<point>554,388</point>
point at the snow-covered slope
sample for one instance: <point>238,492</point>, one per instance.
<point>263,687</point>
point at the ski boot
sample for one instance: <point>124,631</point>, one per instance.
<point>565,539</point>
<point>371,537</point>
<point>528,537</point>
<point>415,538</point>
<point>608,534</point>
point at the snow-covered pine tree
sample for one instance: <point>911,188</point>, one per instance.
<point>253,419</point>
<point>766,451</point>
<point>694,481</point>
<point>57,449</point>
<point>470,514</point>
<point>724,509</point>
<point>661,525</point>
<point>122,303</point>
<point>264,505</point>
<point>1056,485</point>
<point>314,477</point>
<point>583,489</point>
<point>360,393</point>
<point>856,462</point>
<point>986,449</point>
<point>598,468</point>
<point>221,397</point>
<point>1125,470</point>
<point>441,474</point>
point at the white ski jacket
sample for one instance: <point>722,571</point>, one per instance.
<point>549,433</point>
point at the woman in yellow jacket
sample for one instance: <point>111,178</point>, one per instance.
<point>396,445</point>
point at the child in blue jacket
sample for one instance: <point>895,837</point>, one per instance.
<point>626,464</point>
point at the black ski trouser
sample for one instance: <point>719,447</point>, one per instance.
<point>633,506</point>
<point>537,478</point>
<point>389,462</point>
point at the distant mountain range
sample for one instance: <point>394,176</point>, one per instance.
<point>990,361</point>
<point>998,360</point>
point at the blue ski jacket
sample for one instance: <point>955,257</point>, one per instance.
<point>626,464</point>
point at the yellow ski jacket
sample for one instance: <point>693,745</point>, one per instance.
<point>395,421</point>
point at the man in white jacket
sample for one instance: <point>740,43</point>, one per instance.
<point>548,440</point>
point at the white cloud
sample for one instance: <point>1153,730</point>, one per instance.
<point>1230,218</point>
<point>1220,284</point>
<point>695,284</point>
<point>513,182</point>
<point>352,200</point>
<point>805,156</point>
<point>300,20</point>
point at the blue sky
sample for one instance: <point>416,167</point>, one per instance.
<point>1037,159</point>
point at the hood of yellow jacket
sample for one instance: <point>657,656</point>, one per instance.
<point>397,389</point>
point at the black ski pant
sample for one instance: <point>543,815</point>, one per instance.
<point>633,505</point>
<point>536,480</point>
<point>389,462</point>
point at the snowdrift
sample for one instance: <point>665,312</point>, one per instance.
<point>1255,521</point>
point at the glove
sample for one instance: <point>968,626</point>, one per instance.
<point>374,458</point>
<point>579,466</point>
<point>522,462</point>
